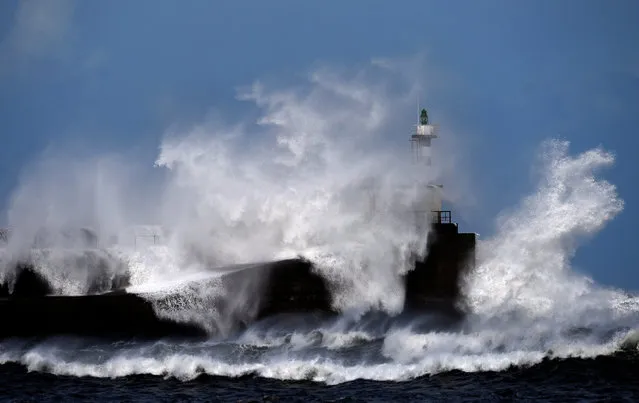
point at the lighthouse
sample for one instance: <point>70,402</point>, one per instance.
<point>420,145</point>
<point>421,138</point>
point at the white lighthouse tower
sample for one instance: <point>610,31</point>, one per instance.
<point>420,146</point>
<point>421,139</point>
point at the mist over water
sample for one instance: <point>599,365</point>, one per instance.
<point>320,175</point>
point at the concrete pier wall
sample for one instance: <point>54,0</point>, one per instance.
<point>438,278</point>
<point>278,287</point>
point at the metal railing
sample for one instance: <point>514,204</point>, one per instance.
<point>441,216</point>
<point>155,237</point>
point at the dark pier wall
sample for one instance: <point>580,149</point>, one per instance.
<point>112,316</point>
<point>276,287</point>
<point>293,286</point>
<point>450,255</point>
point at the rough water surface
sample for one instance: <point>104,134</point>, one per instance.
<point>537,329</point>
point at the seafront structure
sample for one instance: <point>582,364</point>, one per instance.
<point>27,307</point>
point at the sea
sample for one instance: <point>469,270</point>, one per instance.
<point>317,176</point>
<point>606,378</point>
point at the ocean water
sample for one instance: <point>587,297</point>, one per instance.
<point>608,378</point>
<point>316,176</point>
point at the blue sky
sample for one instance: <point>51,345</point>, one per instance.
<point>113,75</point>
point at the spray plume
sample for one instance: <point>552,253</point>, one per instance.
<point>302,182</point>
<point>318,176</point>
